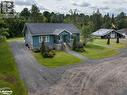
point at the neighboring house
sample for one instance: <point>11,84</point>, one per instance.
<point>105,33</point>
<point>54,34</point>
<point>123,31</point>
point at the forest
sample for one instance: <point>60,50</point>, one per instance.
<point>12,27</point>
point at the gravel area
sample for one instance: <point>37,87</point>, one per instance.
<point>72,80</point>
<point>35,76</point>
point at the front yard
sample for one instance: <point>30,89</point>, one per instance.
<point>9,76</point>
<point>60,59</point>
<point>99,49</point>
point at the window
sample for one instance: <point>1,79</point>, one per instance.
<point>47,39</point>
<point>40,39</point>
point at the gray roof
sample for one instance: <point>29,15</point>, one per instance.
<point>124,30</point>
<point>102,32</point>
<point>50,28</point>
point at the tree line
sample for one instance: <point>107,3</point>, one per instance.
<point>12,27</point>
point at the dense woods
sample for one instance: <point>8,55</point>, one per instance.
<point>12,27</point>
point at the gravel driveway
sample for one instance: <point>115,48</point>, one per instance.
<point>38,77</point>
<point>35,76</point>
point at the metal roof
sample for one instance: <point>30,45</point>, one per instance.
<point>102,32</point>
<point>50,28</point>
<point>124,30</point>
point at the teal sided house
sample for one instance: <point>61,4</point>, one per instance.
<point>54,34</point>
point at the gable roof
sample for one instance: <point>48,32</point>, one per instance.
<point>102,32</point>
<point>50,28</point>
<point>124,30</point>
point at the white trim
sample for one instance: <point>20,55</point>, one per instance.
<point>40,39</point>
<point>65,31</point>
<point>47,39</point>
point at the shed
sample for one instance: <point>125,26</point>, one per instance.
<point>105,33</point>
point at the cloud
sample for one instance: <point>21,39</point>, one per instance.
<point>115,2</point>
<point>42,8</point>
<point>104,8</point>
<point>23,2</point>
<point>85,6</point>
<point>28,3</point>
<point>80,3</point>
<point>100,7</point>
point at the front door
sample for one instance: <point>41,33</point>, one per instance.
<point>64,38</point>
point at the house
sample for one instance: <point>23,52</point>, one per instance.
<point>123,31</point>
<point>54,34</point>
<point>105,33</point>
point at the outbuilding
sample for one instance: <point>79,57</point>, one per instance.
<point>107,33</point>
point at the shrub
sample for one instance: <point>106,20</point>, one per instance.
<point>78,47</point>
<point>2,38</point>
<point>49,54</point>
<point>74,43</point>
<point>46,51</point>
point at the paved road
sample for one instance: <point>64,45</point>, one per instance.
<point>35,76</point>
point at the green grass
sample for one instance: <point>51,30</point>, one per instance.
<point>9,76</point>
<point>98,49</point>
<point>15,39</point>
<point>99,52</point>
<point>113,44</point>
<point>60,59</point>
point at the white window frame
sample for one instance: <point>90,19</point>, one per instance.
<point>40,39</point>
<point>47,38</point>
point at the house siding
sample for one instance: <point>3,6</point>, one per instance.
<point>37,43</point>
<point>28,38</point>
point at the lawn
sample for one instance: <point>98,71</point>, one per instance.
<point>60,59</point>
<point>99,49</point>
<point>9,76</point>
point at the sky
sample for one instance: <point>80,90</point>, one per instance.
<point>82,6</point>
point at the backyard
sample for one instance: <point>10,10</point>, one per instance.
<point>99,49</point>
<point>9,76</point>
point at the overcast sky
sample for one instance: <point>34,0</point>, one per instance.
<point>83,6</point>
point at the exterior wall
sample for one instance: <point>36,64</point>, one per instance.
<point>28,38</point>
<point>37,43</point>
<point>67,36</point>
<point>113,35</point>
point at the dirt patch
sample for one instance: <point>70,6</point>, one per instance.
<point>8,78</point>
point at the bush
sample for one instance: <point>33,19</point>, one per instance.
<point>2,38</point>
<point>79,47</point>
<point>49,54</point>
<point>46,51</point>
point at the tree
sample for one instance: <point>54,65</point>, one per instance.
<point>121,20</point>
<point>107,21</point>
<point>96,18</point>
<point>108,41</point>
<point>25,13</point>
<point>47,15</point>
<point>4,32</point>
<point>74,43</point>
<point>3,28</point>
<point>45,51</point>
<point>35,16</point>
<point>117,41</point>
<point>86,32</point>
